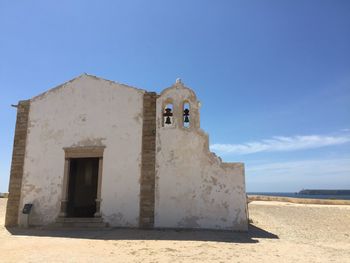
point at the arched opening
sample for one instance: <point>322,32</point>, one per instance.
<point>186,115</point>
<point>168,115</point>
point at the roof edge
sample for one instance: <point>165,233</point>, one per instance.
<point>78,77</point>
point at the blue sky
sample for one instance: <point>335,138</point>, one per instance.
<point>273,76</point>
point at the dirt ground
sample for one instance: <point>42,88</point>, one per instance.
<point>280,232</point>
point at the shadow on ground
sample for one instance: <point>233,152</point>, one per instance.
<point>155,234</point>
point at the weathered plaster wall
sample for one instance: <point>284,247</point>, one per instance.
<point>86,111</point>
<point>194,189</point>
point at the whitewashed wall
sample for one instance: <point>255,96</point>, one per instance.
<point>86,111</point>
<point>194,189</point>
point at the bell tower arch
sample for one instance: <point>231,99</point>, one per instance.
<point>178,107</point>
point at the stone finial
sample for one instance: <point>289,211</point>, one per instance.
<point>178,80</point>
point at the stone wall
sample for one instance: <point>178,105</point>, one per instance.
<point>194,188</point>
<point>154,175</point>
<point>85,112</point>
<point>148,161</point>
<point>18,154</point>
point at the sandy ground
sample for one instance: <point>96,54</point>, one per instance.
<point>298,200</point>
<point>280,232</point>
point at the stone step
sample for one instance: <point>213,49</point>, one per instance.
<point>80,224</point>
<point>79,220</point>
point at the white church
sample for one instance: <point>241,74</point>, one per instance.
<point>92,152</point>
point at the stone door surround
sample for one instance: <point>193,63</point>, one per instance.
<point>81,152</point>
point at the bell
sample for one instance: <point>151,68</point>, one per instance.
<point>167,121</point>
<point>186,114</point>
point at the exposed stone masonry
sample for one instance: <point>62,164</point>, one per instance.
<point>16,173</point>
<point>147,184</point>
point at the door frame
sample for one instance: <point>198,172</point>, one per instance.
<point>81,152</point>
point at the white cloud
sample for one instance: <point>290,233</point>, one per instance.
<point>294,175</point>
<point>280,143</point>
<point>303,167</point>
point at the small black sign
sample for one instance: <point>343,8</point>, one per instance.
<point>27,208</point>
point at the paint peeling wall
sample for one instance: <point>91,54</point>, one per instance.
<point>194,189</point>
<point>86,111</point>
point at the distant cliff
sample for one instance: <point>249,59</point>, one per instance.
<point>323,192</point>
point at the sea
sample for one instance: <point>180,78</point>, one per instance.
<point>296,195</point>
